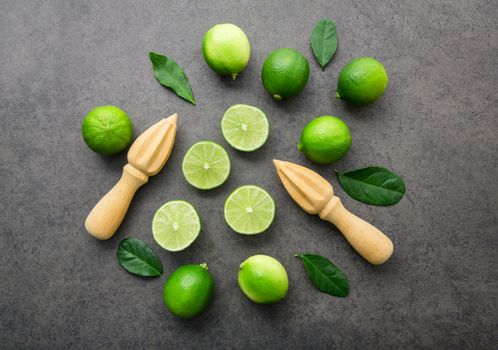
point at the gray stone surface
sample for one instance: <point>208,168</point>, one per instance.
<point>436,126</point>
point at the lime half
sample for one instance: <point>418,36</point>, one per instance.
<point>206,165</point>
<point>245,127</point>
<point>176,225</point>
<point>249,210</point>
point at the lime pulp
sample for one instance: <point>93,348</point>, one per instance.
<point>249,210</point>
<point>176,225</point>
<point>245,127</point>
<point>206,165</point>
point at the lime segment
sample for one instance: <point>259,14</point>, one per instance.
<point>245,127</point>
<point>249,210</point>
<point>176,225</point>
<point>206,165</point>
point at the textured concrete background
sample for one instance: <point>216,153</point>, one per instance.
<point>436,126</point>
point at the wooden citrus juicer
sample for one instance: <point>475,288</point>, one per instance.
<point>316,196</point>
<point>146,157</point>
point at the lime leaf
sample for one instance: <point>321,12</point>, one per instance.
<point>324,41</point>
<point>136,257</point>
<point>171,75</point>
<point>373,185</point>
<point>326,277</point>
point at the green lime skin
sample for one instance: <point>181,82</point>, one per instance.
<point>226,49</point>
<point>188,290</point>
<point>263,279</point>
<point>362,81</point>
<point>285,73</point>
<point>107,130</point>
<point>325,139</point>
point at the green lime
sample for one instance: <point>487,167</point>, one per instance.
<point>245,127</point>
<point>263,279</point>
<point>285,73</point>
<point>176,225</point>
<point>107,130</point>
<point>362,81</point>
<point>226,49</point>
<point>325,139</point>
<point>249,210</point>
<point>206,165</point>
<point>188,290</point>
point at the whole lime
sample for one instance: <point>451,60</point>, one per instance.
<point>107,130</point>
<point>362,81</point>
<point>188,290</point>
<point>325,139</point>
<point>226,49</point>
<point>263,279</point>
<point>285,73</point>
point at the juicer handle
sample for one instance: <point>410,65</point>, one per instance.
<point>366,239</point>
<point>109,212</point>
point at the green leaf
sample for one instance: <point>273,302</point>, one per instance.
<point>324,41</point>
<point>326,277</point>
<point>373,185</point>
<point>171,75</point>
<point>136,257</point>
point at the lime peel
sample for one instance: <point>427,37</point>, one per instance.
<point>363,80</point>
<point>263,279</point>
<point>188,290</point>
<point>107,130</point>
<point>226,49</point>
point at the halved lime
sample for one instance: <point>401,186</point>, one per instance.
<point>206,165</point>
<point>245,127</point>
<point>249,210</point>
<point>176,225</point>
